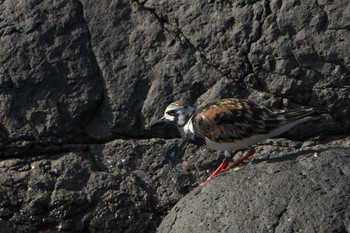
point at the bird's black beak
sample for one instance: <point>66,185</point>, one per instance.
<point>158,123</point>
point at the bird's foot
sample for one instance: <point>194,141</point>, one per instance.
<point>224,165</point>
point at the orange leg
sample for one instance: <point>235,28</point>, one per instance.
<point>241,160</point>
<point>223,166</point>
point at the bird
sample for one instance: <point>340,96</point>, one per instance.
<point>230,125</point>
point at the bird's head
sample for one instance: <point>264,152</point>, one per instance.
<point>177,113</point>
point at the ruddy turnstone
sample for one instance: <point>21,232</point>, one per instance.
<point>230,125</point>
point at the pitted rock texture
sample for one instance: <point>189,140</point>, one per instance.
<point>79,70</point>
<point>80,81</point>
<point>121,186</point>
<point>306,191</point>
<point>51,85</point>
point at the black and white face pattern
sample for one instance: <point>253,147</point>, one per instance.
<point>178,113</point>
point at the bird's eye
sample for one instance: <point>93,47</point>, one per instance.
<point>171,112</point>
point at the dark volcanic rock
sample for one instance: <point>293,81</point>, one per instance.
<point>50,82</point>
<point>73,70</point>
<point>81,80</point>
<point>295,193</point>
<point>121,186</point>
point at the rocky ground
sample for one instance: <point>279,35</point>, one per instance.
<point>282,190</point>
<point>80,81</point>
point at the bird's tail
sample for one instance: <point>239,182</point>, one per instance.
<point>296,115</point>
<point>287,120</point>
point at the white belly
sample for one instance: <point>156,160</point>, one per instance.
<point>236,145</point>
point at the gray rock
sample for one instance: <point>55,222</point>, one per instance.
<point>295,193</point>
<point>74,71</point>
<point>121,186</point>
<point>50,82</point>
<point>80,81</point>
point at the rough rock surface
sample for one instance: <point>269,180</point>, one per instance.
<point>121,186</point>
<point>306,190</point>
<point>81,80</point>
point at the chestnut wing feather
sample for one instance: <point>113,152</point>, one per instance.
<point>231,119</point>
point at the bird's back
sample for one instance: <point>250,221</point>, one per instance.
<point>233,120</point>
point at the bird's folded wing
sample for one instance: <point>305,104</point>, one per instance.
<point>235,121</point>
